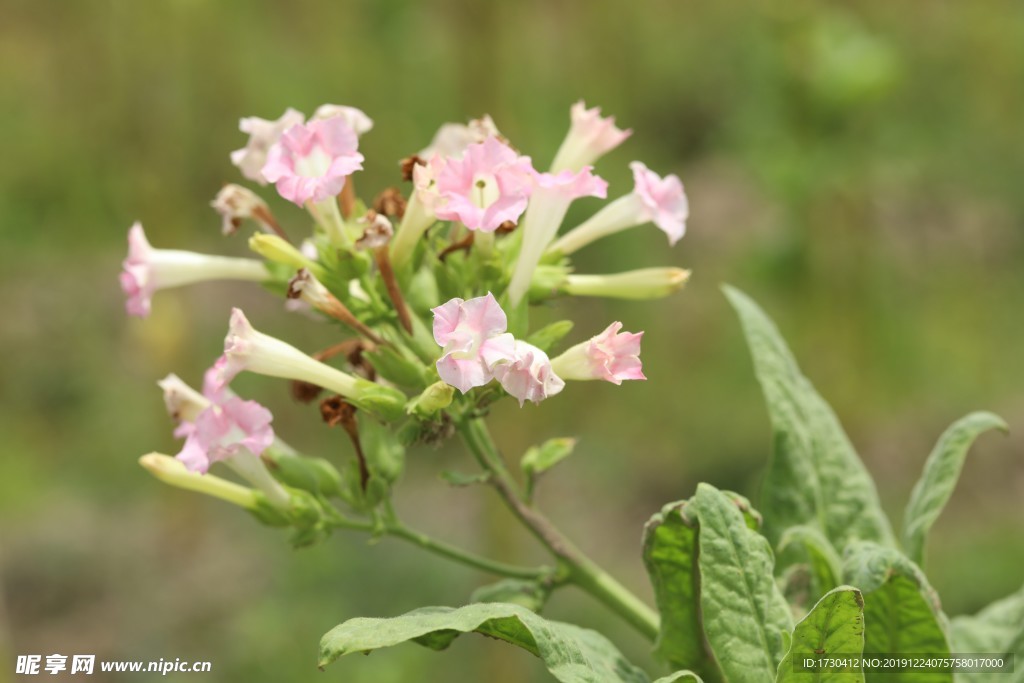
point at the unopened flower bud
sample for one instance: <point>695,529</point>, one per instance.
<point>277,250</point>
<point>172,471</point>
<point>645,283</point>
<point>434,399</point>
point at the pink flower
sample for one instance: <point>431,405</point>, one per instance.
<point>590,137</point>
<point>473,335</point>
<point>263,134</point>
<point>550,201</point>
<point>356,119</point>
<point>311,161</point>
<point>489,185</point>
<point>613,356</point>
<point>147,270</point>
<point>223,430</point>
<point>526,373</point>
<point>653,199</point>
<point>452,139</point>
<point>663,200</point>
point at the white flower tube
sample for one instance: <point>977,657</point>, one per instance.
<point>147,270</point>
<point>250,350</point>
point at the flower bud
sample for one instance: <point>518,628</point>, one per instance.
<point>277,250</point>
<point>434,399</point>
<point>645,283</point>
<point>172,471</point>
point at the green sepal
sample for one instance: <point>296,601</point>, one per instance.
<point>385,454</point>
<point>397,368</point>
<point>386,402</point>
<point>316,475</point>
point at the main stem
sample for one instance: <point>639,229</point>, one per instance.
<point>582,571</point>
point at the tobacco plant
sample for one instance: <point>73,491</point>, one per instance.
<point>430,290</point>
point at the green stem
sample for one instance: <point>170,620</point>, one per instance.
<point>396,529</point>
<point>582,571</point>
<point>469,559</point>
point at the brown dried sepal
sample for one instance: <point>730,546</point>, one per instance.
<point>407,165</point>
<point>390,202</point>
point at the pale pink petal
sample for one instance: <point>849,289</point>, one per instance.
<point>311,161</point>
<point>488,185</point>
<point>663,199</point>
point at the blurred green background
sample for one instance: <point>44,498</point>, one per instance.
<point>856,167</point>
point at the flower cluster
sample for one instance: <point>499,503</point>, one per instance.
<point>471,245</point>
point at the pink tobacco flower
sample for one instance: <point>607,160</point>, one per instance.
<point>223,430</point>
<point>311,161</point>
<point>356,119</point>
<point>663,200</point>
<point>472,334</point>
<point>526,373</point>
<point>489,185</point>
<point>613,356</point>
<point>147,270</point>
<point>590,137</point>
<point>452,139</point>
<point>654,199</point>
<point>550,201</point>
<point>263,134</point>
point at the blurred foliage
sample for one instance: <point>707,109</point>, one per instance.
<point>857,167</point>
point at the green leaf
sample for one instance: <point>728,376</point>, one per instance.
<point>456,478</point>
<point>670,555</point>
<point>546,337</point>
<point>834,626</point>
<point>538,459</point>
<point>680,677</point>
<point>822,559</point>
<point>814,476</point>
<point>997,629</point>
<point>941,471</point>
<point>571,654</point>
<point>901,610</point>
<point>745,616</point>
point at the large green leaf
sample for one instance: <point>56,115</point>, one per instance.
<point>834,626</point>
<point>670,554</point>
<point>901,610</point>
<point>746,619</point>
<point>572,654</point>
<point>814,476</point>
<point>997,629</point>
<point>941,471</point>
<point>680,677</point>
